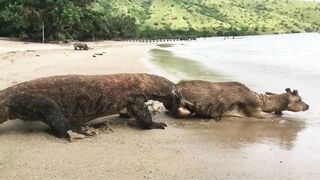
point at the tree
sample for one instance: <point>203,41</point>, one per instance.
<point>45,18</point>
<point>62,19</point>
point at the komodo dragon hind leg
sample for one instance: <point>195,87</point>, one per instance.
<point>139,110</point>
<point>40,108</point>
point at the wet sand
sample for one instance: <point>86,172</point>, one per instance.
<point>187,149</point>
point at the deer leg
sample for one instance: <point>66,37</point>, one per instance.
<point>263,115</point>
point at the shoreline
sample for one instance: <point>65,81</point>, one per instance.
<point>186,149</point>
<point>166,63</point>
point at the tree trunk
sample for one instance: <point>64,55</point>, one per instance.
<point>42,32</point>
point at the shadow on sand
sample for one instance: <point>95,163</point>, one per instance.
<point>241,132</point>
<point>231,133</point>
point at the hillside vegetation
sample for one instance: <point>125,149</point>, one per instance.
<point>50,20</point>
<point>113,19</point>
<point>219,17</point>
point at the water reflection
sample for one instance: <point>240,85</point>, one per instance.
<point>242,132</point>
<point>233,132</point>
<point>229,133</point>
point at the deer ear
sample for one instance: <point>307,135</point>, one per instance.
<point>288,90</point>
<point>270,93</point>
<point>295,92</point>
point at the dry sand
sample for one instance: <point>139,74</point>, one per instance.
<point>187,149</point>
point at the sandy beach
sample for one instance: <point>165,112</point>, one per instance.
<point>186,149</point>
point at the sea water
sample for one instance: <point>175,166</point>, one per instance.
<point>268,63</point>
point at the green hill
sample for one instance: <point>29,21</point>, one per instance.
<point>49,20</point>
<point>218,17</point>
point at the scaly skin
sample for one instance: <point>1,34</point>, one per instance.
<point>65,101</point>
<point>80,46</point>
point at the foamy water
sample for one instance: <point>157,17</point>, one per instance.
<point>263,63</point>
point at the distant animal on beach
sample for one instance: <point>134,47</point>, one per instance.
<point>80,46</point>
<point>222,99</point>
<point>67,102</point>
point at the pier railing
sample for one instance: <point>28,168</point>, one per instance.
<point>145,40</point>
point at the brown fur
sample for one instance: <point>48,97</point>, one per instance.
<point>218,99</point>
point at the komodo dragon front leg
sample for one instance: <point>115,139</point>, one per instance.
<point>137,108</point>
